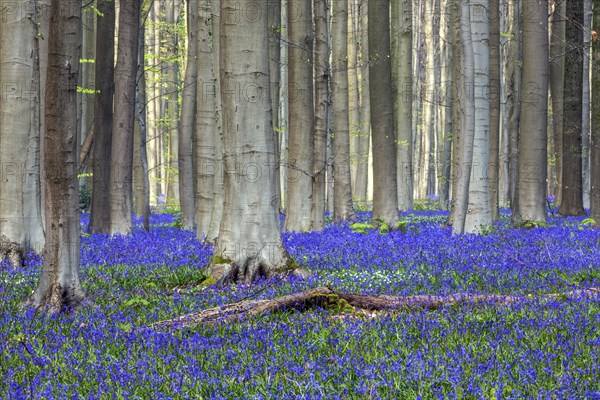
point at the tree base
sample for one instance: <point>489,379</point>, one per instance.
<point>55,299</point>
<point>225,271</point>
<point>11,251</point>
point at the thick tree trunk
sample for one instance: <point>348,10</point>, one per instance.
<point>217,127</point>
<point>301,109</point>
<point>530,193</point>
<point>385,193</point>
<point>208,170</point>
<point>20,103</point>
<point>249,242</point>
<point>342,209</point>
<point>59,287</point>
<point>187,125</point>
<point>572,188</point>
<point>322,98</point>
<point>103,117</point>
<point>361,186</point>
<point>478,214</point>
<point>121,170</point>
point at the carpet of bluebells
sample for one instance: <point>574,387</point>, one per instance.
<point>537,348</point>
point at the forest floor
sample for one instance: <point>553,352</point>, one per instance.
<point>543,343</point>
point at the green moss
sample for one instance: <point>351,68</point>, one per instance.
<point>208,281</point>
<point>334,303</point>
<point>290,265</point>
<point>219,259</point>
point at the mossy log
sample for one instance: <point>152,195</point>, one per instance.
<point>324,297</point>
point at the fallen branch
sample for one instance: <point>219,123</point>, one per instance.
<point>326,298</point>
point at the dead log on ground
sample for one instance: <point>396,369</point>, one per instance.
<point>326,298</point>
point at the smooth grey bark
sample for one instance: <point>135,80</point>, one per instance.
<point>171,102</point>
<point>361,182</point>
<point>187,125</point>
<point>140,154</point>
<point>21,215</point>
<point>207,169</point>
<point>275,29</point>
<point>322,100</point>
<point>249,242</point>
<point>595,122</point>
<point>585,103</point>
<point>342,203</point>
<point>494,102</point>
<point>59,287</point>
<point>513,87</point>
<point>103,118</point>
<point>530,191</point>
<point>445,123</point>
<point>467,108</point>
<point>572,178</point>
<point>217,128</point>
<point>557,79</point>
<point>402,39</point>
<point>301,117</point>
<point>385,193</point>
<point>478,214</point>
<point>121,166</point>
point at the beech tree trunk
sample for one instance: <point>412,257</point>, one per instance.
<point>103,117</point>
<point>572,189</point>
<point>121,170</point>
<point>249,242</point>
<point>208,167</point>
<point>301,109</point>
<point>557,79</point>
<point>322,99</point>
<point>595,136</point>
<point>342,208</point>
<point>385,192</point>
<point>59,287</point>
<point>21,215</point>
<point>530,194</point>
<point>493,170</point>
<point>187,125</point>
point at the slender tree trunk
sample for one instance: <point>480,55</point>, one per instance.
<point>322,72</point>
<point>103,118</point>
<point>172,105</point>
<point>585,103</point>
<point>514,95</point>
<point>572,189</point>
<point>186,128</point>
<point>364,134</point>
<point>385,193</point>
<point>595,136</point>
<point>301,138</point>
<point>59,287</point>
<point>530,193</point>
<point>403,91</point>
<point>140,157</point>
<point>557,81</point>
<point>342,209</point>
<point>445,106</point>
<point>467,109</point>
<point>494,95</point>
<point>249,243</point>
<point>217,127</point>
<point>275,29</point>
<point>123,119</point>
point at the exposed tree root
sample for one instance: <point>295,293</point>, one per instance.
<point>326,298</point>
<point>12,251</point>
